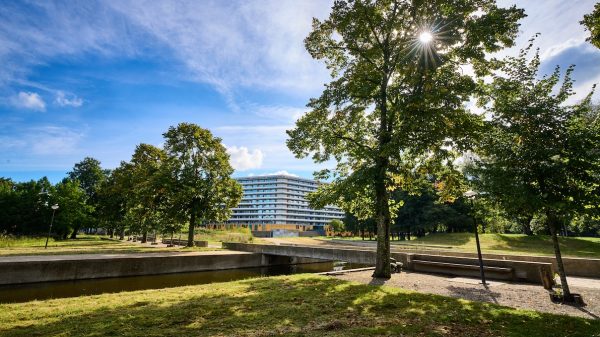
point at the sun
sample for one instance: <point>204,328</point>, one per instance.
<point>425,37</point>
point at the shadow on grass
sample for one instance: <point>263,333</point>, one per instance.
<point>295,306</point>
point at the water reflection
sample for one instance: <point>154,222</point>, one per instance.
<point>46,290</point>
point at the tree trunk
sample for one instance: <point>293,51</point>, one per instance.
<point>191,230</point>
<point>145,237</point>
<point>74,233</point>
<point>553,223</point>
<point>112,233</point>
<point>122,234</point>
<point>382,262</point>
<point>526,225</point>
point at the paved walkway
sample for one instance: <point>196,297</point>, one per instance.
<point>516,295</point>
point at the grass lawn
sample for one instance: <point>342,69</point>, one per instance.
<point>218,235</point>
<point>84,244</point>
<point>299,305</point>
<point>515,244</point>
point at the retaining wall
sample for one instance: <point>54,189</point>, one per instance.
<point>574,266</point>
<point>24,269</point>
<point>524,271</point>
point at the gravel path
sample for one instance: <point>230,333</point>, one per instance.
<point>516,295</point>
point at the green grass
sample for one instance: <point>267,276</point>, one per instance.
<point>299,305</point>
<point>229,235</point>
<point>84,244</point>
<point>512,244</point>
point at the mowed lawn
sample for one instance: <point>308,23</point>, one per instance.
<point>85,244</point>
<point>299,305</point>
<point>510,244</point>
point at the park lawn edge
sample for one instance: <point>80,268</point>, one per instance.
<point>293,305</point>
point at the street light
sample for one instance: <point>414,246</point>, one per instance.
<point>54,208</point>
<point>470,194</point>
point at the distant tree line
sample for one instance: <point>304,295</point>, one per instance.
<point>424,214</point>
<point>188,181</point>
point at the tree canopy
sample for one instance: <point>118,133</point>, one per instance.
<point>541,152</point>
<point>395,105</point>
<point>197,177</point>
<point>591,22</point>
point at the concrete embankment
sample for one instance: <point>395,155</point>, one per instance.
<point>515,270</point>
<point>574,266</point>
<point>29,269</point>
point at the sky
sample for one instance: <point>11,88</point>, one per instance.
<point>87,78</point>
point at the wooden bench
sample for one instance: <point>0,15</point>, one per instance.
<point>456,268</point>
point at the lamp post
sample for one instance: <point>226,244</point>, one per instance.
<point>54,208</point>
<point>470,194</point>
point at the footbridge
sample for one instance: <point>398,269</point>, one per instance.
<point>502,269</point>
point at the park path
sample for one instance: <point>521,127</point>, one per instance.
<point>515,295</point>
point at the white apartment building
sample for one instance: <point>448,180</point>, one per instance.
<point>278,202</point>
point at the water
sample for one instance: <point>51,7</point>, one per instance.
<point>60,289</point>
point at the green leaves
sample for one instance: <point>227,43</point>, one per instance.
<point>197,175</point>
<point>591,22</point>
<point>391,94</point>
<point>540,153</point>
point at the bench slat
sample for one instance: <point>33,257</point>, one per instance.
<point>463,266</point>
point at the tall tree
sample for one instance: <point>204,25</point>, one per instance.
<point>197,177</point>
<point>112,199</point>
<point>591,22</point>
<point>147,193</point>
<point>396,100</point>
<point>90,176</point>
<point>73,207</point>
<point>540,147</point>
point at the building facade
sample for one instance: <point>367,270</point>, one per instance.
<point>278,202</point>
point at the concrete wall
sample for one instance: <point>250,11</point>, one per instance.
<point>525,271</point>
<point>77,268</point>
<point>574,266</point>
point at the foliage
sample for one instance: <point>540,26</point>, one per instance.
<point>90,176</point>
<point>146,195</point>
<point>337,226</point>
<point>197,177</point>
<point>73,207</point>
<point>540,152</point>
<point>25,207</point>
<point>395,105</point>
<point>424,212</point>
<point>591,22</point>
<point>112,200</point>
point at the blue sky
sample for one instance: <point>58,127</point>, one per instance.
<point>85,78</point>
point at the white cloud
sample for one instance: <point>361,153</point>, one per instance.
<point>280,173</point>
<point>256,45</point>
<point>278,112</point>
<point>242,159</point>
<point>29,100</point>
<point>42,140</point>
<point>53,140</point>
<point>64,99</point>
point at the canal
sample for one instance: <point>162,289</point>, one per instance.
<point>60,289</point>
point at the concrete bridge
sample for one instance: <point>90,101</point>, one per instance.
<point>514,270</point>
